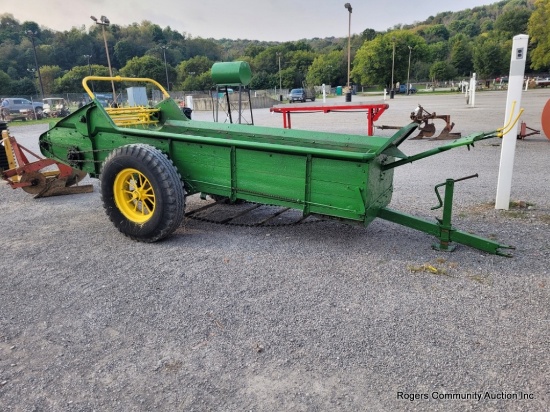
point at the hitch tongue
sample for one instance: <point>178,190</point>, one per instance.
<point>448,234</point>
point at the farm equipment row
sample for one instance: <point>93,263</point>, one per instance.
<point>150,158</point>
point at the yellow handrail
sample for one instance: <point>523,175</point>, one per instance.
<point>121,79</point>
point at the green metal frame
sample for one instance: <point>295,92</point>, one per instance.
<point>337,175</point>
<point>443,229</point>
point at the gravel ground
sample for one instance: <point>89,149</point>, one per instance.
<point>315,317</point>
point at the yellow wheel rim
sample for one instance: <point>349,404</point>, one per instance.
<point>134,195</point>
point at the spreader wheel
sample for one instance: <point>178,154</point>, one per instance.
<point>142,192</point>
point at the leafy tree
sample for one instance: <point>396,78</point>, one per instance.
<point>253,50</point>
<point>204,47</point>
<point>49,74</point>
<point>461,56</point>
<point>125,50</point>
<point>10,56</point>
<point>10,28</point>
<point>442,71</point>
<point>65,47</point>
<point>13,73</point>
<point>330,69</point>
<point>539,32</point>
<point>421,69</point>
<point>288,77</point>
<point>487,26</point>
<point>200,82</point>
<point>264,80</point>
<point>436,33</point>
<point>301,60</point>
<point>513,22</point>
<point>4,83</point>
<point>23,87</point>
<point>195,66</point>
<point>146,66</point>
<point>368,34</point>
<point>267,60</point>
<point>373,62</point>
<point>438,51</point>
<point>98,46</point>
<point>71,82</point>
<point>490,58</point>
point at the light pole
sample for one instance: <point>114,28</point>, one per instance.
<point>392,92</point>
<point>164,47</point>
<point>89,56</point>
<point>409,71</point>
<point>280,78</point>
<point>348,6</point>
<point>104,21</point>
<point>32,35</point>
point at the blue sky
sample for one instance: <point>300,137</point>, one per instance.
<point>271,20</point>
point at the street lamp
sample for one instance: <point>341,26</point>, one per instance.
<point>32,35</point>
<point>392,92</point>
<point>348,6</point>
<point>280,78</point>
<point>88,56</point>
<point>164,47</point>
<point>104,21</point>
<point>409,71</point>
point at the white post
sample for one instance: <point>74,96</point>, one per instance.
<point>385,92</point>
<point>473,82</point>
<point>189,102</point>
<point>513,102</point>
<point>324,94</point>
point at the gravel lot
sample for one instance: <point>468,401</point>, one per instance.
<point>315,317</point>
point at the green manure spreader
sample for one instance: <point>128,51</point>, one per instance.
<point>149,158</point>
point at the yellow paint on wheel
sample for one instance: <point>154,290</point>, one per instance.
<point>134,195</point>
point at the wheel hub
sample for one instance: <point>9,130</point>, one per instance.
<point>134,195</point>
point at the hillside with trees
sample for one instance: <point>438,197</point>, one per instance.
<point>449,45</point>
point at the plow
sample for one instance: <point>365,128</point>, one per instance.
<point>150,159</point>
<point>426,127</point>
<point>40,177</point>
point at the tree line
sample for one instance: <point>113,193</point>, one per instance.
<point>446,46</point>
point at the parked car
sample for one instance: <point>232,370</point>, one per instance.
<point>301,95</point>
<point>20,108</point>
<point>403,89</point>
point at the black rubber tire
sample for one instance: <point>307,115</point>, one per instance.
<point>169,194</point>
